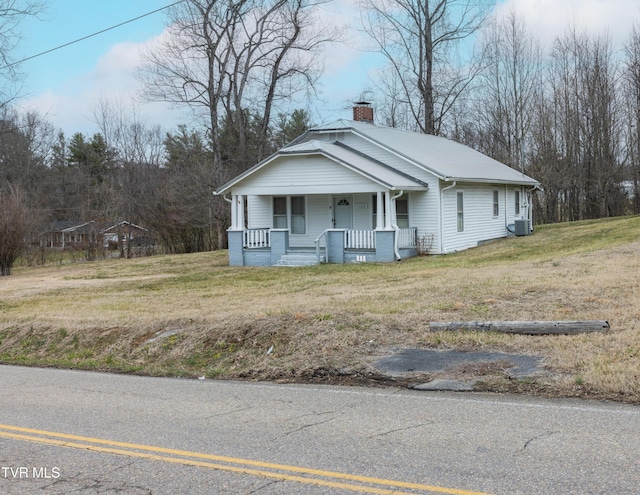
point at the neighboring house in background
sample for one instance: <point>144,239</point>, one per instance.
<point>629,187</point>
<point>65,234</point>
<point>71,235</point>
<point>124,234</point>
<point>351,191</point>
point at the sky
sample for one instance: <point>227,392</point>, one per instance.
<point>66,85</point>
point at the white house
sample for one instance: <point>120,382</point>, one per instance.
<point>353,191</point>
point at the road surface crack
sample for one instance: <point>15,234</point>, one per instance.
<point>538,437</point>
<point>396,430</point>
<point>309,425</point>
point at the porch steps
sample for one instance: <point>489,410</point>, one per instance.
<point>298,259</point>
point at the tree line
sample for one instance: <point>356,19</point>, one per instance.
<point>567,115</point>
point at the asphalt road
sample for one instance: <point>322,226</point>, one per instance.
<point>69,432</point>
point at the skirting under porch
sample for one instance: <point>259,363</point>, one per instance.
<point>270,247</point>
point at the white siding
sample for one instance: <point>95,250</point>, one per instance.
<point>299,175</point>
<point>479,222</point>
<point>318,217</point>
<point>511,203</point>
<point>260,212</point>
<point>423,214</point>
<point>363,211</point>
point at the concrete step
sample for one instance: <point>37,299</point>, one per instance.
<point>298,259</point>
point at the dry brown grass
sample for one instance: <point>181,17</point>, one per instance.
<point>330,322</point>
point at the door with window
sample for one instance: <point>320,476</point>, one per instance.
<point>342,212</point>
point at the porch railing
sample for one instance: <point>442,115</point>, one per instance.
<point>324,258</point>
<point>407,238</point>
<point>256,238</point>
<point>354,239</point>
<point>360,239</point>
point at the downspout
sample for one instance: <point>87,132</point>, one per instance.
<point>506,210</point>
<point>530,207</point>
<point>395,226</point>
<point>442,249</point>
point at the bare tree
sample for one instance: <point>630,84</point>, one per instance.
<point>140,154</point>
<point>12,13</point>
<point>631,89</point>
<point>583,160</point>
<point>508,88</point>
<point>419,39</point>
<point>235,60</point>
<point>227,56</point>
<point>16,222</point>
<point>128,134</point>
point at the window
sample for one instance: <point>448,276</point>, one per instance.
<point>375,211</point>
<point>289,211</point>
<point>460,212</point>
<point>279,213</point>
<point>402,212</point>
<point>517,203</point>
<point>297,215</point>
<point>496,204</point>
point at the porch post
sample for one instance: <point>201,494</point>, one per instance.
<point>387,217</point>
<point>380,212</point>
<point>234,212</point>
<point>241,212</point>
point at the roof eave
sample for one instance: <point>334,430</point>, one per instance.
<point>418,186</point>
<point>526,181</point>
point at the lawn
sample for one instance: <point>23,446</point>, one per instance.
<point>192,315</point>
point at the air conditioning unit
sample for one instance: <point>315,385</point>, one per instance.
<point>522,227</point>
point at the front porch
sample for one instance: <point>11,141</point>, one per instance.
<point>270,247</point>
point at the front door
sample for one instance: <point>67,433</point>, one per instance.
<point>342,212</point>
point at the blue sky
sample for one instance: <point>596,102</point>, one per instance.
<point>68,20</point>
<point>65,85</point>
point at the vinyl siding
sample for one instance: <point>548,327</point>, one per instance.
<point>479,222</point>
<point>318,217</point>
<point>362,211</point>
<point>260,212</point>
<point>423,214</point>
<point>300,175</point>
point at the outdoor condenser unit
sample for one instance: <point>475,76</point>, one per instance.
<point>522,227</point>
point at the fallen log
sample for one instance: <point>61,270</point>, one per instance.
<point>524,327</point>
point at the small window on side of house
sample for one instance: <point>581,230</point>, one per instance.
<point>402,212</point>
<point>517,202</point>
<point>496,203</point>
<point>460,205</point>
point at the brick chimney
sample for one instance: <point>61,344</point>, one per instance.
<point>362,112</point>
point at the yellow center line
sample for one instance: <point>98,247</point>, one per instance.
<point>154,451</point>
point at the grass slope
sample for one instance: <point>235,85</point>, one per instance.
<point>192,315</point>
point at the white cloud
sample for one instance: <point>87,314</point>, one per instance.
<point>70,106</point>
<point>549,19</point>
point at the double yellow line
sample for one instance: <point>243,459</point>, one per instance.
<point>350,482</point>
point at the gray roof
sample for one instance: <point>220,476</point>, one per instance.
<point>445,158</point>
<point>358,162</point>
<point>366,166</point>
